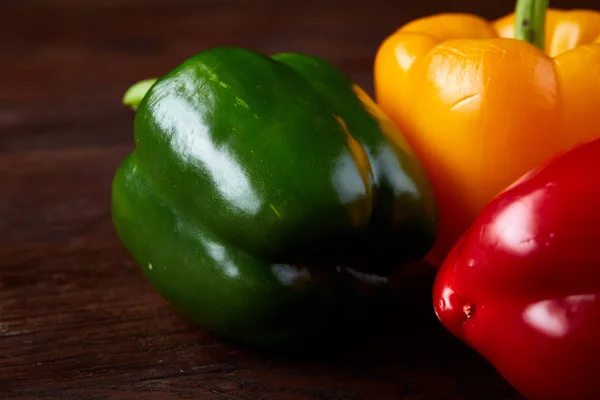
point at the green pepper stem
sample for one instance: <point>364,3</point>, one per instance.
<point>530,21</point>
<point>134,95</point>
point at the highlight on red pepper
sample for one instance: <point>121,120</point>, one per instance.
<point>522,285</point>
<point>480,108</point>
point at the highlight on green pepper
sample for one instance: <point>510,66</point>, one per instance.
<point>268,198</point>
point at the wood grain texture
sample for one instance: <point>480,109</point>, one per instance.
<point>77,319</point>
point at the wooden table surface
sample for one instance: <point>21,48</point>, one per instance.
<point>77,319</point>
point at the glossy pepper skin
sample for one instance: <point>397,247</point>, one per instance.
<point>481,109</point>
<point>522,285</point>
<point>268,196</point>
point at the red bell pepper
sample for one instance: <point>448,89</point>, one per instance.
<point>522,285</point>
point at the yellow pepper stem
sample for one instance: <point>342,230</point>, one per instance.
<point>530,21</point>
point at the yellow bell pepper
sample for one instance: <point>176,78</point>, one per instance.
<point>481,108</point>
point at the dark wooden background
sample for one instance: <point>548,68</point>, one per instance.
<point>77,319</point>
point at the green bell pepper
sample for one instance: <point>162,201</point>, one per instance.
<point>268,198</point>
